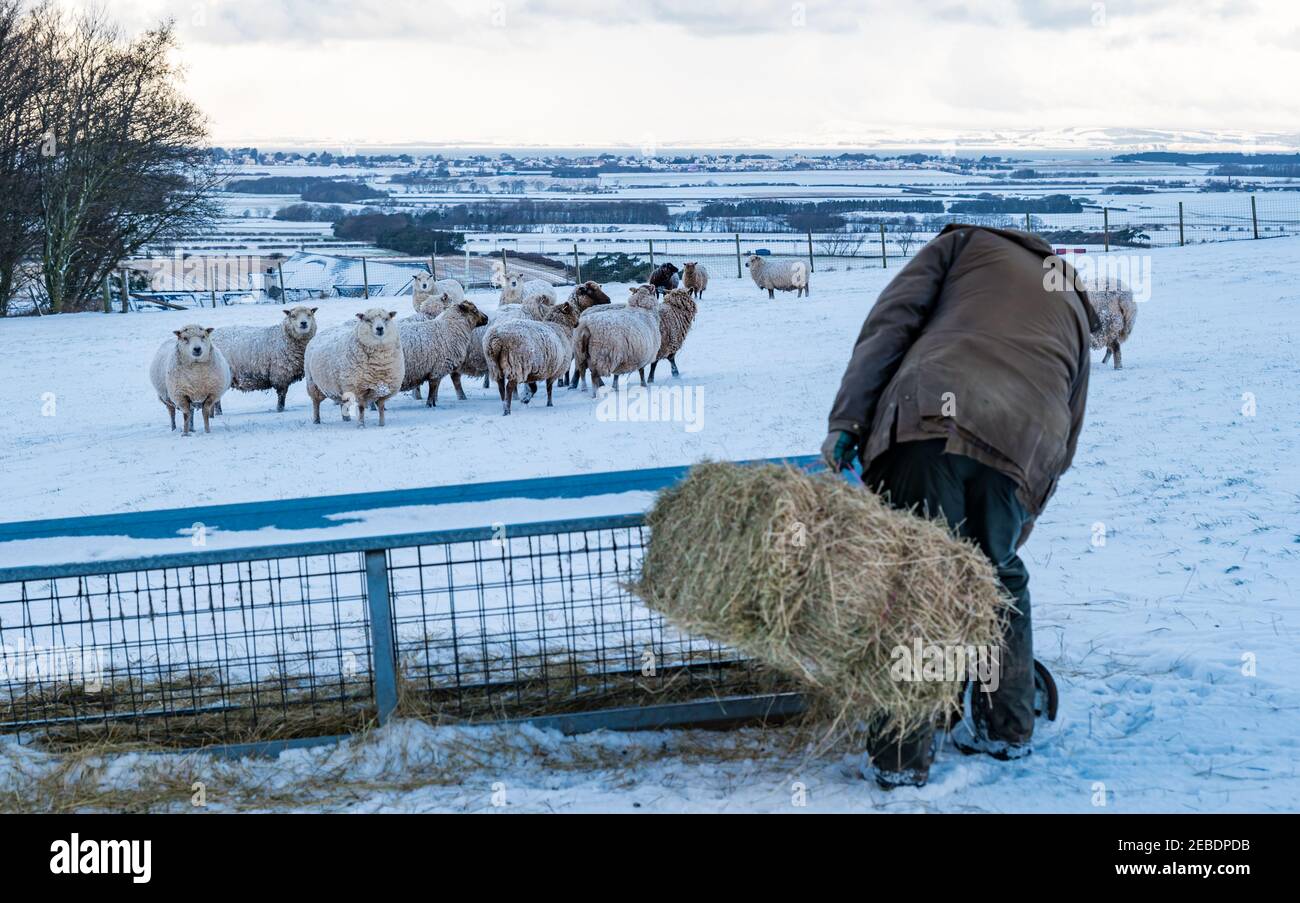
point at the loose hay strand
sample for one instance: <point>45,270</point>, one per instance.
<point>822,581</point>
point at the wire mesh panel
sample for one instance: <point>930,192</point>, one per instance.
<point>188,655</point>
<point>523,626</point>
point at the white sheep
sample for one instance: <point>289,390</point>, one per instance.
<point>774,276</point>
<point>676,316</point>
<point>189,372</point>
<point>617,340</point>
<point>1117,311</point>
<point>432,349</point>
<point>356,364</point>
<point>431,297</point>
<point>534,308</point>
<point>267,357</point>
<point>524,352</point>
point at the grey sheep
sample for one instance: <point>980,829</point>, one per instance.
<point>434,348</point>
<point>618,340</point>
<point>676,315</point>
<point>524,352</point>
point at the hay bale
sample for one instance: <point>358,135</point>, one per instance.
<point>822,581</point>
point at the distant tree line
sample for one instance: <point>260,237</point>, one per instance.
<point>310,188</point>
<point>100,153</point>
<point>398,232</point>
<point>992,204</point>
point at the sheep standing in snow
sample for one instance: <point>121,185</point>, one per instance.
<point>356,364</point>
<point>431,297</point>
<point>583,298</point>
<point>774,276</point>
<point>664,278</point>
<point>676,315</point>
<point>432,349</point>
<point>695,279</point>
<point>269,357</point>
<point>1117,311</point>
<point>513,304</point>
<point>524,352</point>
<point>618,340</point>
<point>189,372</point>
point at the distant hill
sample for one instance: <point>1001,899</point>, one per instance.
<point>1209,159</point>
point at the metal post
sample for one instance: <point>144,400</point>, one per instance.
<point>1029,227</point>
<point>108,295</point>
<point>812,267</point>
<point>652,257</point>
<point>382,654</point>
<point>1182,236</point>
<point>365,279</point>
<point>884,255</point>
<point>126,290</point>
<point>739,270</point>
<point>577,266</point>
<point>1105,220</point>
<point>1254,215</point>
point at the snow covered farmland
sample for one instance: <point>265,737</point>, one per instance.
<point>1173,641</point>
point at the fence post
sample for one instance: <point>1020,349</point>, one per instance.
<point>279,268</point>
<point>1254,215</point>
<point>739,270</point>
<point>126,290</point>
<point>505,264</point>
<point>433,266</point>
<point>383,657</point>
<point>467,268</point>
<point>212,286</point>
<point>652,257</point>
<point>108,295</point>
<point>1105,220</point>
<point>812,267</point>
<point>1029,226</point>
<point>365,280</point>
<point>1182,236</point>
<point>577,266</point>
<point>884,255</point>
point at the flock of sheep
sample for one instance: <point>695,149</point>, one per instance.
<point>529,340</point>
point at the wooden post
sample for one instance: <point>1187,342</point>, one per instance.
<point>739,269</point>
<point>1182,236</point>
<point>433,266</point>
<point>1105,227</point>
<point>652,257</point>
<point>108,295</point>
<point>1029,227</point>
<point>812,267</point>
<point>284,297</point>
<point>1254,215</point>
<point>365,279</point>
<point>126,290</point>
<point>884,255</point>
<point>577,266</point>
<point>505,264</point>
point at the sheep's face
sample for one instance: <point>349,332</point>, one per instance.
<point>472,314</point>
<point>423,284</point>
<point>300,323</point>
<point>565,313</point>
<point>755,262</point>
<point>376,327</point>
<point>194,344</point>
<point>690,269</point>
<point>590,294</point>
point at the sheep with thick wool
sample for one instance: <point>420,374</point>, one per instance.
<point>618,340</point>
<point>676,316</point>
<point>188,372</point>
<point>774,276</point>
<point>534,307</point>
<point>355,364</point>
<point>434,348</point>
<point>1117,312</point>
<point>695,279</point>
<point>268,357</point>
<point>524,352</point>
<point>430,296</point>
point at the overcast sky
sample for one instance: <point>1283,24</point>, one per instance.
<point>666,73</point>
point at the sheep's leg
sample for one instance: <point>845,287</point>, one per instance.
<point>1109,350</point>
<point>171,409</point>
<point>415,393</point>
<point>597,382</point>
<point>653,366</point>
<point>615,382</point>
<point>487,381</point>
<point>207,415</point>
<point>771,294</point>
<point>507,395</point>
<point>217,410</point>
<point>455,381</point>
<point>363,403</point>
<point>316,398</point>
<point>1119,365</point>
<point>642,372</point>
<point>501,388</point>
<point>672,359</point>
<point>382,403</point>
<point>550,384</point>
<point>187,416</point>
<point>433,393</point>
<point>281,393</point>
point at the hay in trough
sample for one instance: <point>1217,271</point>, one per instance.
<point>824,582</point>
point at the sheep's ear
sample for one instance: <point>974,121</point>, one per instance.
<point>464,306</point>
<point>392,315</point>
<point>361,316</point>
<point>209,330</point>
<point>287,312</point>
<point>313,311</point>
<point>178,333</point>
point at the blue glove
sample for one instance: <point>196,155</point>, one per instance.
<point>840,450</point>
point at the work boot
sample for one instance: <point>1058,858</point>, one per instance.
<point>905,762</point>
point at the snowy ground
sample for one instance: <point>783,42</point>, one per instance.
<point>1174,641</point>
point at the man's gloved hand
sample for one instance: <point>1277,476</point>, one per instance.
<point>840,450</point>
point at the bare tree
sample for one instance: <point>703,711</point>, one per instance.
<point>20,141</point>
<point>125,167</point>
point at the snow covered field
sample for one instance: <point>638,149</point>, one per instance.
<point>1173,641</point>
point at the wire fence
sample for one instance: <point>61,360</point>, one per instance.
<point>884,240</point>
<point>321,639</point>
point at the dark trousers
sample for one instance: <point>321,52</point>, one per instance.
<point>979,503</point>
